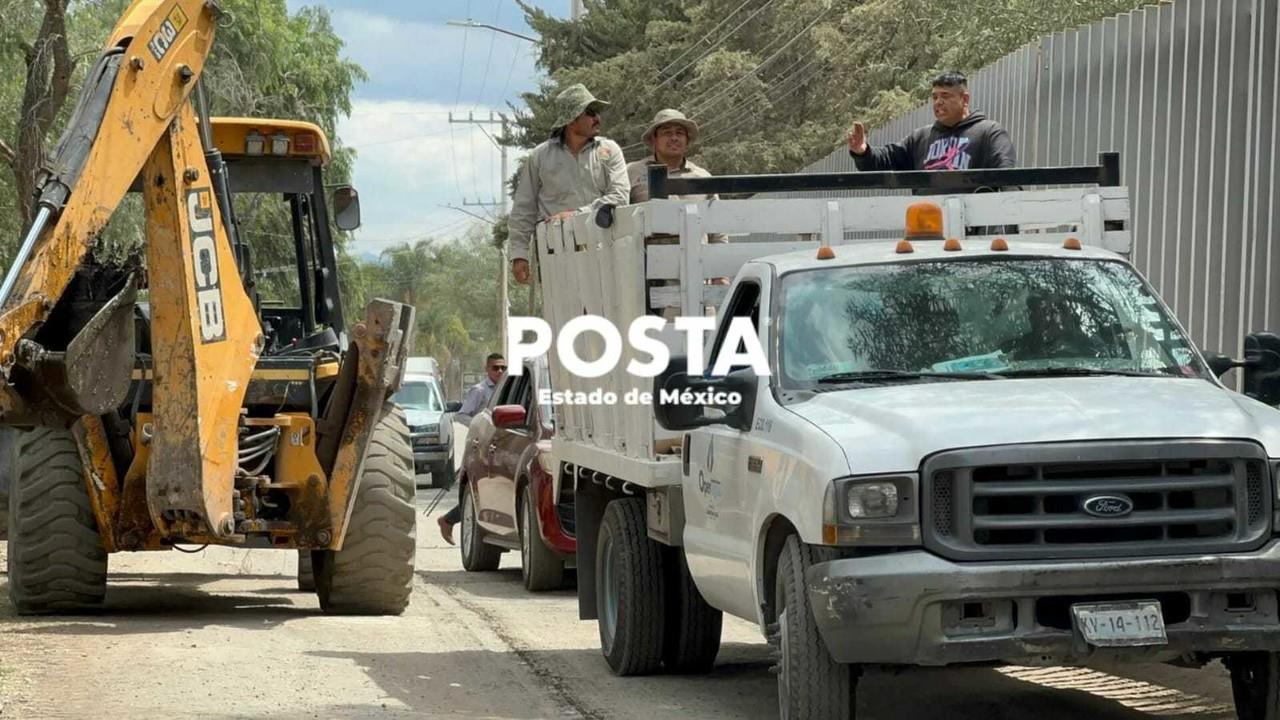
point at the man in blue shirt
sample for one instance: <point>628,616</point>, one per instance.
<point>495,366</point>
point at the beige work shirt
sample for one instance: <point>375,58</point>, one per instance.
<point>638,172</point>
<point>554,180</point>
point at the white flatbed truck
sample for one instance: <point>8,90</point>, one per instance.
<point>989,442</point>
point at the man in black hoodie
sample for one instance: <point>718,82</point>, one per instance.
<point>958,140</point>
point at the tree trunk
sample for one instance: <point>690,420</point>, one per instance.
<point>48,82</point>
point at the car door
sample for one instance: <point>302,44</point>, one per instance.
<point>506,452</point>
<point>479,458</point>
<point>717,486</point>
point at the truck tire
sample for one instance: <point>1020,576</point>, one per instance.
<point>56,559</point>
<point>477,555</point>
<point>811,684</point>
<point>6,471</point>
<point>306,578</point>
<point>373,572</point>
<point>693,627</point>
<point>630,590</point>
<point>1255,683</point>
<point>540,566</point>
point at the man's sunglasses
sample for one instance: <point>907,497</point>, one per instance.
<point>499,368</point>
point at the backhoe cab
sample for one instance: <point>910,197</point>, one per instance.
<point>215,394</point>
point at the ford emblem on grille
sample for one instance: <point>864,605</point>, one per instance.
<point>1108,506</point>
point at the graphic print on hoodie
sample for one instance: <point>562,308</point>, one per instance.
<point>949,153</point>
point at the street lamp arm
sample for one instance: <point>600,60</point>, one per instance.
<point>473,24</point>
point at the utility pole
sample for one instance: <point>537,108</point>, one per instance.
<point>503,204</point>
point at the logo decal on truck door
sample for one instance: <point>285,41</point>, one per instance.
<point>204,266</point>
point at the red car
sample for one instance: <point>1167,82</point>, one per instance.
<point>509,500</point>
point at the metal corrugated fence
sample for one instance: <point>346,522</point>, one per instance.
<point>1187,92</point>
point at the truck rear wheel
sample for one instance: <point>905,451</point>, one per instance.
<point>477,555</point>
<point>540,566</point>
<point>1255,683</point>
<point>630,590</point>
<point>811,684</point>
<point>306,578</point>
<point>56,559</point>
<point>373,572</point>
<point>693,627</point>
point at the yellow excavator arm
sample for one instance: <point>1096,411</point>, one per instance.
<point>135,120</point>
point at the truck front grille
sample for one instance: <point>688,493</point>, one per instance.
<point>1096,500</point>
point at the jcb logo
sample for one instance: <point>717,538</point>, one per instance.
<point>164,38</point>
<point>204,264</point>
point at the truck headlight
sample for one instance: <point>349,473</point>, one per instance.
<point>872,500</point>
<point>872,510</point>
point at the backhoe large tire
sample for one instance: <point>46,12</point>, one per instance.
<point>373,572</point>
<point>56,560</point>
<point>811,684</point>
<point>477,555</point>
<point>541,568</point>
<point>630,590</point>
<point>693,627</point>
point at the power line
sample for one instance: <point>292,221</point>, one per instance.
<point>708,36</point>
<point>493,37</point>
<point>457,95</point>
<point>691,48</point>
<point>782,80</point>
<point>776,100</point>
<point>700,105</point>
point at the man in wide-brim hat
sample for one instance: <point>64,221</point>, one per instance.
<point>669,137</point>
<point>575,170</point>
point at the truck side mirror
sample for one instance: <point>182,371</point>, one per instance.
<point>1221,364</point>
<point>452,407</point>
<point>1262,368</point>
<point>346,208</point>
<point>687,416</point>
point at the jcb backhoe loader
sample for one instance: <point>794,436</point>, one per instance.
<point>216,409</point>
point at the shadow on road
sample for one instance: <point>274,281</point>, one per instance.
<point>168,603</point>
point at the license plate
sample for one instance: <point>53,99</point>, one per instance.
<point>1121,624</point>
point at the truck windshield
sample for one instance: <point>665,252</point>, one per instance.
<point>419,396</point>
<point>975,319</point>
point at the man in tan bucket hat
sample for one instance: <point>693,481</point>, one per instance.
<point>575,170</point>
<point>669,136</point>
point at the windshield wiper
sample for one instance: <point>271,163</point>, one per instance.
<point>886,375</point>
<point>1066,371</point>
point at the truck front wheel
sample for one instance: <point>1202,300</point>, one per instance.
<point>811,684</point>
<point>1255,683</point>
<point>630,590</point>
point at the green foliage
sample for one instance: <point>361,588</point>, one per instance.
<point>775,85</point>
<point>266,62</point>
<point>454,287</point>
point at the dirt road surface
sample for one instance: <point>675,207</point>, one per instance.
<point>225,634</point>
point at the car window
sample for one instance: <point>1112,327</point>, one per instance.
<point>745,303</point>
<point>419,395</point>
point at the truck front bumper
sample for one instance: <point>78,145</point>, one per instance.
<point>915,608</point>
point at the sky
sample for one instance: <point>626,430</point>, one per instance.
<point>411,160</point>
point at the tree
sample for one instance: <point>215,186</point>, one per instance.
<point>49,68</point>
<point>265,61</point>
<point>773,84</point>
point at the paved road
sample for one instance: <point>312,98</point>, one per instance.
<point>224,634</point>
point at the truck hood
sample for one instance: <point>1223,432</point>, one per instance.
<point>893,428</point>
